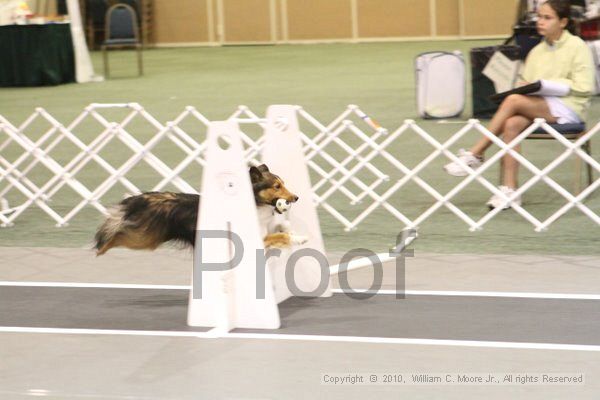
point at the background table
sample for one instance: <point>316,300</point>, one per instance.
<point>36,55</point>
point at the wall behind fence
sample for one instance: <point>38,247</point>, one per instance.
<point>288,21</point>
<point>185,23</point>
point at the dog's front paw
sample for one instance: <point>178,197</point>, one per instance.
<point>298,239</point>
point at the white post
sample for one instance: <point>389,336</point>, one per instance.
<point>282,152</point>
<point>227,299</point>
<point>84,71</point>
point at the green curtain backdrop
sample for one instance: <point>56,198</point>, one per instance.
<point>36,55</point>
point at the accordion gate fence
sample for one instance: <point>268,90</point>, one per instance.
<point>356,175</point>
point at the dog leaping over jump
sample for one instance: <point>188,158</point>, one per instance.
<point>147,220</point>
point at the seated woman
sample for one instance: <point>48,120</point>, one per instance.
<point>560,58</point>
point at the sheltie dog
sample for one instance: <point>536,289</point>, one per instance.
<point>147,220</point>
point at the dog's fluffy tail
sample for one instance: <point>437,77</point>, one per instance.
<point>108,231</point>
<point>148,220</point>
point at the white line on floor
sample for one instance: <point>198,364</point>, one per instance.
<point>315,338</point>
<point>121,332</point>
<point>95,285</point>
<point>563,296</point>
<point>411,341</point>
<point>530,295</point>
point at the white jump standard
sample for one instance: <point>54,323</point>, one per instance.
<point>235,284</point>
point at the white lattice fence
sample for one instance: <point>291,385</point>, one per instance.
<point>351,158</point>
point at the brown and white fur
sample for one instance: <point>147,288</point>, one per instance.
<point>147,220</point>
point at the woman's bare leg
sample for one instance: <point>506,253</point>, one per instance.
<point>530,107</point>
<point>512,128</point>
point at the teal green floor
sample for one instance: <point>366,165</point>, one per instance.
<point>324,79</point>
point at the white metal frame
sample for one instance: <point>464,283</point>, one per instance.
<point>334,176</point>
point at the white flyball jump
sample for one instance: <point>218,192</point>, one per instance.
<point>231,288</point>
<point>283,154</point>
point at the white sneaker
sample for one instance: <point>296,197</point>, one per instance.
<point>468,158</point>
<point>496,201</point>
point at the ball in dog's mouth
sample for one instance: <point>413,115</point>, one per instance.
<point>282,205</point>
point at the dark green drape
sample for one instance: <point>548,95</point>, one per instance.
<point>36,55</point>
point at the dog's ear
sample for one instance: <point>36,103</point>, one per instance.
<point>255,175</point>
<point>263,168</point>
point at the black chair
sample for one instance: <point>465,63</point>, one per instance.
<point>135,4</point>
<point>570,132</point>
<point>122,32</point>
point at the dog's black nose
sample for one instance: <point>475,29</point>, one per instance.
<point>295,199</point>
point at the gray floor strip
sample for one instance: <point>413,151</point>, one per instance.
<point>85,308</point>
<point>431,317</point>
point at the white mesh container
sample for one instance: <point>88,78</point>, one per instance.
<point>440,84</point>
